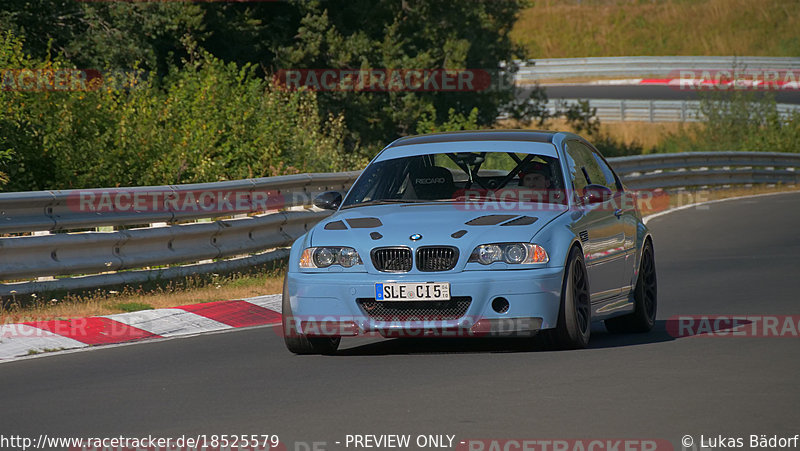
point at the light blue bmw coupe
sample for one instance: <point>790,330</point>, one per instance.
<point>474,234</point>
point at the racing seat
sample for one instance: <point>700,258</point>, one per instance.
<point>433,182</point>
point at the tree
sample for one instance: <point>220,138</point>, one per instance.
<point>408,34</point>
<point>168,40</point>
<point>204,121</point>
<point>105,35</point>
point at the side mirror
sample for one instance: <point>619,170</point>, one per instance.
<point>595,194</point>
<point>329,200</point>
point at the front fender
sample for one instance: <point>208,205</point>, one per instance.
<point>296,251</point>
<point>557,238</point>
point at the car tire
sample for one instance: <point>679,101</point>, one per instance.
<point>575,314</point>
<point>300,343</point>
<point>645,298</point>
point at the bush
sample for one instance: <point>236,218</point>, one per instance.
<point>205,121</point>
<point>611,147</point>
<point>738,121</point>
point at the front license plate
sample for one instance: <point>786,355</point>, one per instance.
<point>429,291</point>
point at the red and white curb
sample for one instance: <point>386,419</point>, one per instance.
<point>30,338</point>
<point>697,83</point>
<point>687,83</point>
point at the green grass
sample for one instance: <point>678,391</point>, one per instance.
<point>569,28</point>
<point>133,306</point>
<point>255,281</point>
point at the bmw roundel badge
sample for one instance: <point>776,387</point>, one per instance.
<point>415,237</point>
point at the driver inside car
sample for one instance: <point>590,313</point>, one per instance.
<point>535,176</point>
<point>535,180</point>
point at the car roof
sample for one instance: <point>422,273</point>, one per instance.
<point>539,136</point>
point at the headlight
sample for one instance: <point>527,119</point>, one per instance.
<point>348,257</point>
<point>487,254</point>
<point>322,257</point>
<point>513,253</point>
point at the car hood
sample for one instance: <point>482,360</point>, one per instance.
<point>461,225</point>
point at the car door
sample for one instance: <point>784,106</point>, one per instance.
<point>601,230</point>
<point>624,209</point>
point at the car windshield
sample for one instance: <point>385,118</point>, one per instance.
<point>459,177</point>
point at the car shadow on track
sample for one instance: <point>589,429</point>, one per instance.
<point>604,339</point>
<point>600,339</point>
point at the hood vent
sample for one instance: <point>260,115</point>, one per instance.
<point>489,220</point>
<point>521,221</point>
<point>335,225</point>
<point>364,223</point>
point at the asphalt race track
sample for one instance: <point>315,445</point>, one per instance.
<point>734,257</point>
<point>640,92</point>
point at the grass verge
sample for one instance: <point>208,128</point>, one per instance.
<point>190,290</point>
<point>647,135</point>
<point>572,28</point>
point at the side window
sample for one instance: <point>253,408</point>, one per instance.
<point>583,167</point>
<point>608,174</point>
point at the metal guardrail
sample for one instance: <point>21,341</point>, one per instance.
<point>621,110</point>
<point>241,240</point>
<point>153,235</point>
<point>91,252</point>
<point>707,169</point>
<point>639,66</point>
<point>55,210</point>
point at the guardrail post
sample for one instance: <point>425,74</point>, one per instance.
<point>43,233</point>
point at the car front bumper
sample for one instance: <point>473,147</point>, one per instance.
<point>331,303</point>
